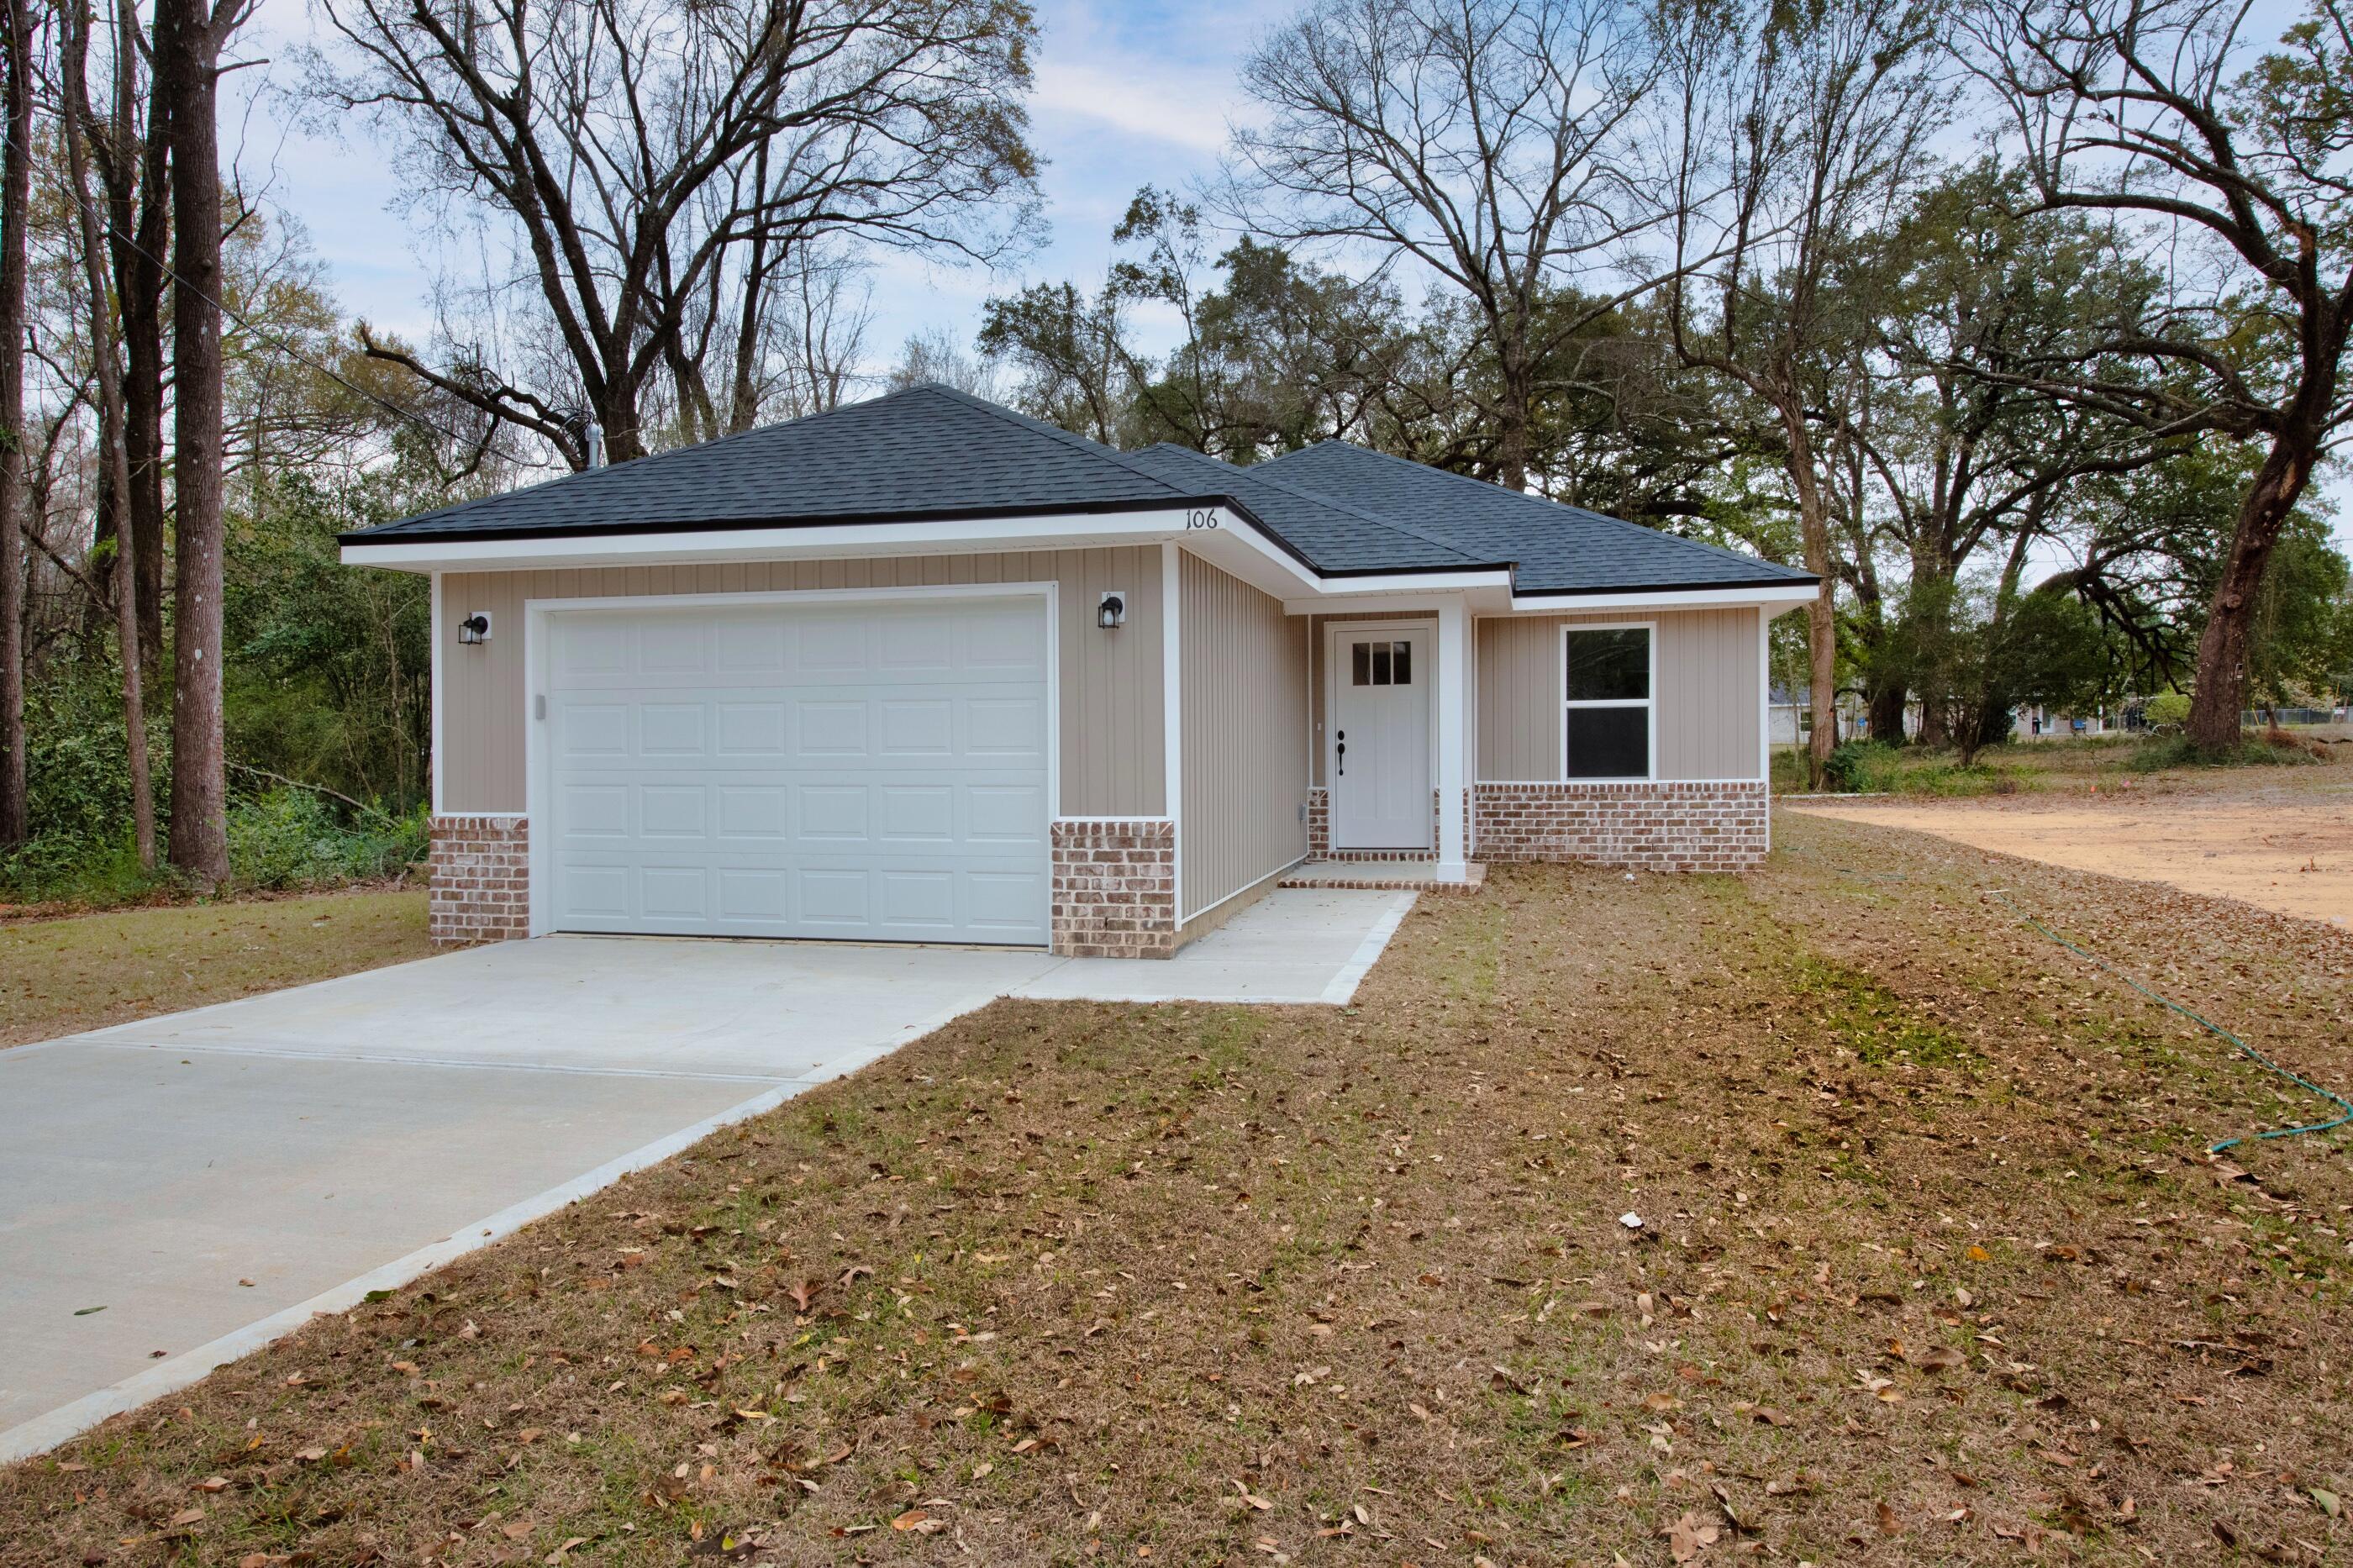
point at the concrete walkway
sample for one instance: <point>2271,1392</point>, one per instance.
<point>178,1192</point>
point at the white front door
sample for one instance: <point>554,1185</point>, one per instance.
<point>874,771</point>
<point>1378,756</point>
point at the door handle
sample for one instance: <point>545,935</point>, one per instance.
<point>1340,751</point>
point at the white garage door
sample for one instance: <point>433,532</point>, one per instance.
<point>871,770</point>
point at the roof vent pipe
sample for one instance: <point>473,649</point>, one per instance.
<point>595,436</point>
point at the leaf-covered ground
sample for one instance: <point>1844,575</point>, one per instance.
<point>85,971</point>
<point>1932,1267</point>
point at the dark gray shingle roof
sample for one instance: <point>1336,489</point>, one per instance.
<point>931,452</point>
<point>926,452</point>
<point>1555,549</point>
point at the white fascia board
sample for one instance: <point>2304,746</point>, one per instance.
<point>832,541</point>
<point>1774,597</point>
<point>1486,592</point>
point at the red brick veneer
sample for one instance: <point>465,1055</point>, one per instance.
<point>1114,888</point>
<point>480,875</point>
<point>1319,836</point>
<point>1713,826</point>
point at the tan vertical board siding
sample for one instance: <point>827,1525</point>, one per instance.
<point>1243,694</point>
<point>1318,695</point>
<point>1707,705</point>
<point>1112,740</point>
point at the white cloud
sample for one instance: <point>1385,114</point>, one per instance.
<point>1162,106</point>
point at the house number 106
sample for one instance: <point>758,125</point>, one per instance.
<point>1201,520</point>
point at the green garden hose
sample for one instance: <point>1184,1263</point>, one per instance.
<point>2344,1107</point>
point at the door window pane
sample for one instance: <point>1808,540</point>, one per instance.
<point>1380,664</point>
<point>1401,663</point>
<point>1609,742</point>
<point>1361,664</point>
<point>1610,665</point>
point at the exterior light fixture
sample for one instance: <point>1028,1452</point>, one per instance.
<point>475,627</point>
<point>1112,612</point>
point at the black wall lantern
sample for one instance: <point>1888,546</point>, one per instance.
<point>1112,611</point>
<point>475,627</point>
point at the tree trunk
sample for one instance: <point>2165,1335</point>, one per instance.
<point>187,72</point>
<point>15,204</point>
<point>1512,413</point>
<point>2220,694</point>
<point>1821,622</point>
<point>1887,704</point>
<point>110,430</point>
<point>138,201</point>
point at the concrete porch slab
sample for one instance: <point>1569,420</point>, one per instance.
<point>1298,945</point>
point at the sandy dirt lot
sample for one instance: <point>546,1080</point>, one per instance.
<point>2284,846</point>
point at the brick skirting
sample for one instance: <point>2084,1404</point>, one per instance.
<point>1319,836</point>
<point>480,875</point>
<point>1114,888</point>
<point>1714,827</point>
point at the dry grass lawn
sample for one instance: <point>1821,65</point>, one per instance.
<point>1933,1267</point>
<point>85,971</point>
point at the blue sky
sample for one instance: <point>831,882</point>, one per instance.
<point>1126,94</point>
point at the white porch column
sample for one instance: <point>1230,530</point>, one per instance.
<point>1454,655</point>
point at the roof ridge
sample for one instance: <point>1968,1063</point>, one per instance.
<point>1641,528</point>
<point>1038,427</point>
<point>1255,473</point>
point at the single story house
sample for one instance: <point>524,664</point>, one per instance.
<point>922,670</point>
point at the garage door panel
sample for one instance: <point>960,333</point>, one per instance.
<point>914,727</point>
<point>747,645</point>
<point>750,730</point>
<point>829,644</point>
<point>671,731</point>
<point>752,815</point>
<point>673,645</point>
<point>837,900</point>
<point>599,729</point>
<point>830,728</point>
<point>832,814</point>
<point>1005,728</point>
<point>675,892</point>
<point>749,894</point>
<point>1004,901</point>
<point>919,648</point>
<point>916,814</point>
<point>1005,816</point>
<point>674,811</point>
<point>874,771</point>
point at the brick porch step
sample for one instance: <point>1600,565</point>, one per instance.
<point>1379,876</point>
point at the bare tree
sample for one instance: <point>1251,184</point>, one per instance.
<point>73,116</point>
<point>1796,132</point>
<point>191,36</point>
<point>2159,109</point>
<point>636,146</point>
<point>1484,140</point>
<point>16,251</point>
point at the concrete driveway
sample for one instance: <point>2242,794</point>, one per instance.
<point>178,1192</point>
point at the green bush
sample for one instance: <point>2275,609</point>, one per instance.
<point>298,838</point>
<point>2169,709</point>
<point>1859,767</point>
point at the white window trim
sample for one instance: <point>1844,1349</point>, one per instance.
<point>1650,704</point>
